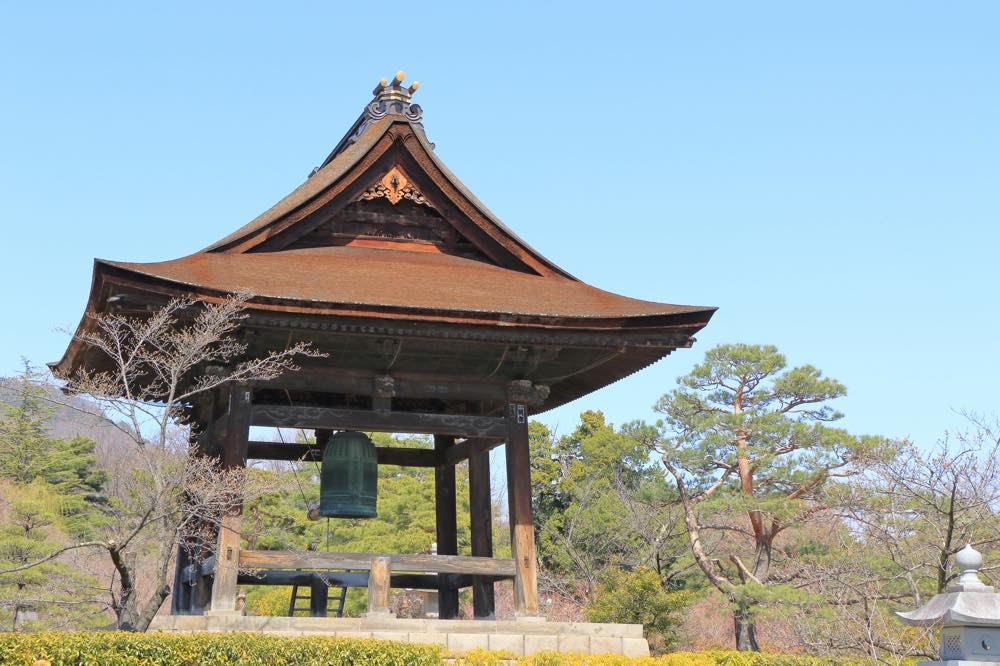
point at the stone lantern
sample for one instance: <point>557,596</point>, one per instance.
<point>968,614</point>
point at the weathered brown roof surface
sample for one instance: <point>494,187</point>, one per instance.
<point>373,275</point>
<point>312,186</point>
<point>340,164</point>
<point>370,277</point>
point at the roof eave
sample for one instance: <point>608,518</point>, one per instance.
<point>76,347</point>
<point>698,316</point>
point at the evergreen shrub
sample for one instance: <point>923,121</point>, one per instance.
<point>103,648</point>
<point>707,658</point>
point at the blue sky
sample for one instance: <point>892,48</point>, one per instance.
<point>825,173</point>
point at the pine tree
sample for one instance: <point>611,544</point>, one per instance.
<point>51,594</point>
<point>28,452</point>
<point>747,436</point>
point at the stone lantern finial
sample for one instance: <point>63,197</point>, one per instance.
<point>968,614</point>
<point>969,561</point>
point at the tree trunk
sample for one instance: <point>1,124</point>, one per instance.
<point>746,631</point>
<point>762,558</point>
<point>126,611</point>
<point>144,619</point>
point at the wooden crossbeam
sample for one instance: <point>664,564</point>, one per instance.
<point>465,449</point>
<point>306,578</point>
<point>405,385</point>
<point>284,416</point>
<point>387,455</point>
<point>317,560</point>
<point>355,579</point>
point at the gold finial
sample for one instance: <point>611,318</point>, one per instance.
<point>395,98</point>
<point>394,89</point>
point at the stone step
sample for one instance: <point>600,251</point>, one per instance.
<point>520,637</point>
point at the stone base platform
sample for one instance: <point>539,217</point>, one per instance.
<point>521,637</point>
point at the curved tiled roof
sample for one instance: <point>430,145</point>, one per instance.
<point>314,185</point>
<point>370,277</point>
<point>514,291</point>
<point>339,164</point>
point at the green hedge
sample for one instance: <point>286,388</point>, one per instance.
<point>708,658</point>
<point>106,648</point>
<point>165,649</point>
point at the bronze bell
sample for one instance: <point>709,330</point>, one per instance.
<point>348,482</point>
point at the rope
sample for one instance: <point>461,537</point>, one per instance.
<point>305,503</point>
<point>288,396</point>
<point>295,474</point>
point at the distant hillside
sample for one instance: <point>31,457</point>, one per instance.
<point>74,416</point>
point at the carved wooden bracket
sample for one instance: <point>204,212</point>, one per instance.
<point>523,390</point>
<point>384,386</point>
<point>395,187</point>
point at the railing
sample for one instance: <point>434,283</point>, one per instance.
<point>379,567</point>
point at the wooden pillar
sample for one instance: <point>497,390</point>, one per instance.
<point>447,525</point>
<point>481,524</point>
<point>180,593</point>
<point>201,595</point>
<point>522,530</point>
<point>234,454</point>
<point>378,588</point>
<point>319,595</point>
<point>190,593</point>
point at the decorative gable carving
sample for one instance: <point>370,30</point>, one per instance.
<point>395,187</point>
<point>390,215</point>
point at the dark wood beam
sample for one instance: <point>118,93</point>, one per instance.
<point>234,454</point>
<point>405,385</point>
<point>466,449</point>
<point>446,523</point>
<point>351,579</point>
<point>319,597</point>
<point>234,442</point>
<point>522,530</point>
<point>462,581</point>
<point>665,335</point>
<point>481,528</point>
<point>377,421</point>
<point>387,455</point>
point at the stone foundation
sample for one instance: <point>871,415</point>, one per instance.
<point>521,637</point>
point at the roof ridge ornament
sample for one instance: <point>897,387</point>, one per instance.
<point>390,98</point>
<point>393,98</point>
